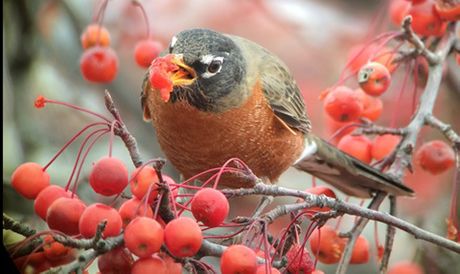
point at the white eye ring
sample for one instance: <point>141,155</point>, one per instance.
<point>211,61</point>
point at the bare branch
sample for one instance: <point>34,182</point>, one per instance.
<point>11,224</point>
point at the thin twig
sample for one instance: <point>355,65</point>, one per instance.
<point>11,224</point>
<point>389,238</point>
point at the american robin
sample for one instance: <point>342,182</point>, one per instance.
<point>233,98</point>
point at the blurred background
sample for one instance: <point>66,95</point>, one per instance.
<point>41,51</point>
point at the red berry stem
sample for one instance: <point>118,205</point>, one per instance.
<point>99,19</point>
<point>237,162</point>
<point>77,108</point>
<point>343,129</point>
<point>101,133</point>
<point>79,155</point>
<point>399,95</point>
<point>144,14</point>
<point>70,141</point>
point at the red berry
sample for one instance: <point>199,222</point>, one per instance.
<point>238,259</point>
<point>182,244</point>
<point>94,215</point>
<point>360,254</point>
<point>29,179</point>
<point>372,106</point>
<point>448,11</point>
<point>317,271</point>
<point>405,268</point>
<point>435,157</point>
<point>299,260</point>
<point>171,266</point>
<point>53,250</point>
<point>132,208</point>
<point>357,146</point>
<point>383,145</point>
<point>146,51</point>
<point>262,270</point>
<point>109,176</point>
<point>36,260</point>
<point>143,236</point>
<point>320,190</point>
<point>343,104</point>
<point>398,9</point>
<point>327,245</point>
<point>152,264</point>
<point>210,207</point>
<point>95,35</point>
<point>46,197</point>
<point>64,214</point>
<point>99,64</point>
<point>116,261</point>
<point>425,20</point>
<point>374,78</point>
<point>143,179</point>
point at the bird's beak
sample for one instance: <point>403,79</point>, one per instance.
<point>184,75</point>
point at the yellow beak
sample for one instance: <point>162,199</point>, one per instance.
<point>185,75</point>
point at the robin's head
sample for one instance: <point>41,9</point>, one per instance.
<point>211,68</point>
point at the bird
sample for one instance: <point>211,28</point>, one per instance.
<point>232,98</point>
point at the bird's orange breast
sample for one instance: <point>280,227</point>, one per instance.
<point>195,141</point>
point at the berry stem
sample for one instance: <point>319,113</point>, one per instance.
<point>399,96</point>
<point>70,141</point>
<point>99,18</point>
<point>78,108</point>
<point>138,4</point>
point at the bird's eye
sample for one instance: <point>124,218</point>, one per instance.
<point>214,66</point>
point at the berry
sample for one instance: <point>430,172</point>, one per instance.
<point>99,64</point>
<point>405,268</point>
<point>145,51</point>
<point>238,259</point>
<point>372,106</point>
<point>398,9</point>
<point>171,266</point>
<point>374,78</point>
<point>299,260</point>
<point>343,104</point>
<point>182,244</point>
<point>143,179</point>
<point>262,270</point>
<point>46,197</point>
<point>383,145</point>
<point>29,179</point>
<point>64,214</point>
<point>36,260</point>
<point>159,76</point>
<point>360,254</point>
<point>210,207</point>
<point>94,215</point>
<point>95,35</point>
<point>357,146</point>
<point>448,11</point>
<point>143,236</point>
<point>116,261</point>
<point>152,264</point>
<point>317,271</point>
<point>435,157</point>
<point>109,176</point>
<point>327,245</point>
<point>425,20</point>
<point>53,250</point>
<point>320,190</point>
<point>132,208</point>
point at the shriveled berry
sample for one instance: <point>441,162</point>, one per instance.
<point>109,176</point>
<point>152,264</point>
<point>182,244</point>
<point>425,19</point>
<point>143,179</point>
<point>238,259</point>
<point>94,215</point>
<point>46,197</point>
<point>358,146</point>
<point>435,157</point>
<point>383,145</point>
<point>299,260</point>
<point>360,254</point>
<point>210,207</point>
<point>343,104</point>
<point>29,179</point>
<point>143,236</point>
<point>374,78</point>
<point>133,208</point>
<point>327,245</point>
<point>99,64</point>
<point>53,250</point>
<point>64,214</point>
<point>95,35</point>
<point>145,51</point>
<point>116,261</point>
